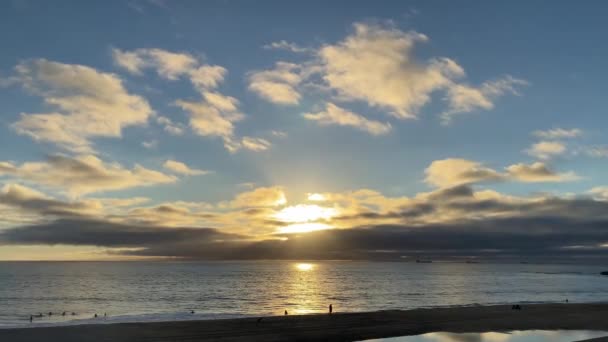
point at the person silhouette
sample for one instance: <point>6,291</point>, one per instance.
<point>95,316</point>
<point>331,309</point>
<point>31,318</point>
<point>286,313</point>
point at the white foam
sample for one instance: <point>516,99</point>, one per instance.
<point>127,318</point>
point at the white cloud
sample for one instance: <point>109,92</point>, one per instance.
<point>279,134</point>
<point>334,115</point>
<point>596,151</point>
<point>546,149</point>
<point>149,144</point>
<point>179,167</point>
<point>285,45</point>
<point>88,103</point>
<point>463,98</point>
<point>377,65</point>
<point>170,126</point>
<point>207,76</point>
<point>600,193</point>
<point>207,120</point>
<point>84,174</point>
<point>558,133</point>
<point>168,65</point>
<point>277,85</point>
<point>255,144</point>
<point>214,115</point>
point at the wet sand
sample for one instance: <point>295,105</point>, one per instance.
<point>335,327</point>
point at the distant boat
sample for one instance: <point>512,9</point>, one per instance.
<point>420,261</point>
<point>472,262</point>
<point>604,273</point>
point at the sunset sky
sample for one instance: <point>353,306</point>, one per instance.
<point>303,130</point>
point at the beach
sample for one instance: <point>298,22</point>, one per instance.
<point>335,327</point>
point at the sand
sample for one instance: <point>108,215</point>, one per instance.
<point>335,327</point>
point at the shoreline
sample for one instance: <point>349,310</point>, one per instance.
<point>336,327</point>
<point>185,316</point>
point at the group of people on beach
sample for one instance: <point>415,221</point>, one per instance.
<point>331,310</point>
<point>40,315</point>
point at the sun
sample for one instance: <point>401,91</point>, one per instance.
<point>305,213</point>
<point>303,218</point>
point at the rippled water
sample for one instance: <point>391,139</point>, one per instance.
<point>135,291</point>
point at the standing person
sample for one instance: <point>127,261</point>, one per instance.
<point>31,318</point>
<point>331,309</point>
<point>285,312</point>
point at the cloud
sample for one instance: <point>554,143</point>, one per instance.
<point>558,133</point>
<point>214,115</point>
<point>259,197</point>
<point>596,151</point>
<point>451,172</point>
<point>546,149</point>
<point>181,168</point>
<point>538,172</point>
<point>285,45</point>
<point>600,193</point>
<point>28,199</point>
<point>452,222</point>
<point>84,174</point>
<point>88,103</point>
<point>454,171</point>
<point>255,144</point>
<point>278,134</point>
<point>277,85</point>
<point>150,144</point>
<point>207,76</point>
<point>377,64</point>
<point>464,99</point>
<point>168,65</point>
<point>208,120</point>
<point>170,126</point>
<point>334,115</point>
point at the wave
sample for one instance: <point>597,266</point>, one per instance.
<point>126,318</point>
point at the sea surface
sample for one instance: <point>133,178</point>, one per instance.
<point>149,291</point>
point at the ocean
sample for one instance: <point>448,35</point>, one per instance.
<point>158,291</point>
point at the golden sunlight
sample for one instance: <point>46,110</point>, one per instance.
<point>305,227</point>
<point>304,266</point>
<point>305,213</point>
<point>316,197</point>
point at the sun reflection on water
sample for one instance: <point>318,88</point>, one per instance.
<point>305,266</point>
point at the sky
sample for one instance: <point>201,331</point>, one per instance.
<point>303,130</point>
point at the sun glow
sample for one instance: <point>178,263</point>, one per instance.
<point>303,227</point>
<point>316,197</point>
<point>305,213</point>
<point>305,266</point>
<point>303,218</point>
